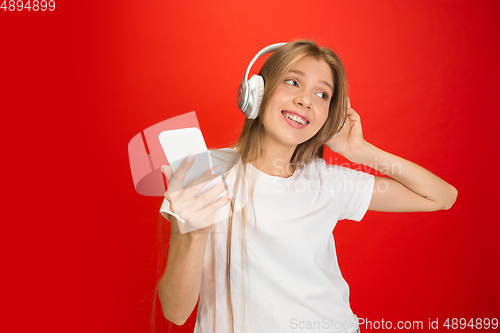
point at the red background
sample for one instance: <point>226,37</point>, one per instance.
<point>78,83</point>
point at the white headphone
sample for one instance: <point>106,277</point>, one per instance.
<point>250,92</point>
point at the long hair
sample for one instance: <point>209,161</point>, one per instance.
<point>251,143</point>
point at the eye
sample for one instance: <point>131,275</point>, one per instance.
<point>292,82</point>
<point>323,95</point>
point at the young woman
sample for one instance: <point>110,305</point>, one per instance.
<point>269,263</point>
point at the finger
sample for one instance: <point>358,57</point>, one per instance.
<point>180,173</point>
<point>353,115</point>
<point>202,180</point>
<point>167,171</point>
<point>205,198</point>
<point>197,184</point>
<point>185,197</point>
<point>215,206</point>
<point>195,211</point>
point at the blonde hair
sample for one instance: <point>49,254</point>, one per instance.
<point>251,143</point>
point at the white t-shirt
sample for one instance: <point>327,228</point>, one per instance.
<point>290,280</point>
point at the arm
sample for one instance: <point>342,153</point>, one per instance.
<point>410,187</point>
<point>180,285</point>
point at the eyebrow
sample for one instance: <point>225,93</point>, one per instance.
<point>303,74</point>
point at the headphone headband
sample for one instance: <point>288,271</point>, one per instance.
<point>266,50</point>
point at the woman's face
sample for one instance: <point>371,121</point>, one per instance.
<point>299,106</point>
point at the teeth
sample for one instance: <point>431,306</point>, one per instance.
<point>295,118</point>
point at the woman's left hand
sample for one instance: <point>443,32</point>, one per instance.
<point>350,136</point>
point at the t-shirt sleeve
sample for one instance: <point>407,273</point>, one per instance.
<point>353,190</point>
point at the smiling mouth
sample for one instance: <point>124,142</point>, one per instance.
<point>295,118</point>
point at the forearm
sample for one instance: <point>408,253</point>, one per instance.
<point>179,287</point>
<point>409,174</point>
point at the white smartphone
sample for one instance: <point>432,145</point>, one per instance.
<point>178,144</point>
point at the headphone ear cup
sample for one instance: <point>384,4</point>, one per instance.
<point>256,85</point>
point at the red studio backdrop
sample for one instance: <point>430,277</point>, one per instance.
<point>79,82</point>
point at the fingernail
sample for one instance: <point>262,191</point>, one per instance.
<point>190,158</point>
<point>162,168</point>
<point>229,196</point>
<point>228,182</point>
<point>216,171</point>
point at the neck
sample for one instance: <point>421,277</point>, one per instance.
<point>275,160</point>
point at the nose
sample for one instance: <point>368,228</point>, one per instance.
<point>303,99</point>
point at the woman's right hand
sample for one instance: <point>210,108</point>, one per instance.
<point>199,212</point>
